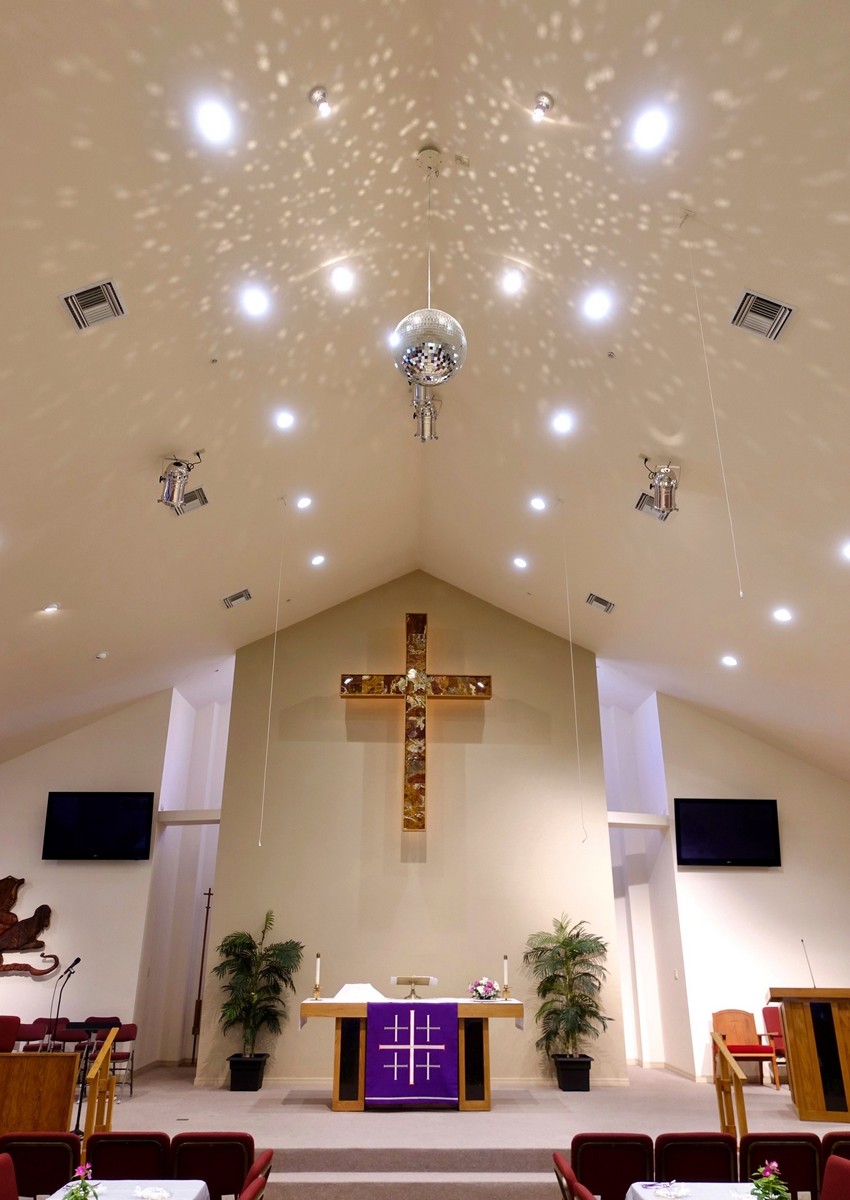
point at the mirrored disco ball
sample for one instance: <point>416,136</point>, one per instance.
<point>429,346</point>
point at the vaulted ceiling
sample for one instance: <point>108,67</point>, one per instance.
<point>106,176</point>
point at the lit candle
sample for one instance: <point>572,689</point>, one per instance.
<point>505,972</point>
<point>318,968</point>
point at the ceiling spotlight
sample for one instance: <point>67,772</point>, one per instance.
<point>317,560</point>
<point>520,563</point>
<point>214,122</point>
<point>255,301</point>
<point>562,422</point>
<point>597,305</point>
<point>284,419</point>
<point>781,614</point>
<point>342,279</point>
<point>50,609</point>
<point>102,654</point>
<point>173,480</point>
<point>650,129</point>
<point>318,97</point>
<point>543,104</point>
<point>538,503</point>
<point>512,281</point>
<point>303,502</point>
<point>664,482</point>
<point>729,660</point>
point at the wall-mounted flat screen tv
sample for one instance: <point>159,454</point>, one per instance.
<point>95,825</point>
<point>727,833</point>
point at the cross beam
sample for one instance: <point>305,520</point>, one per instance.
<point>416,687</point>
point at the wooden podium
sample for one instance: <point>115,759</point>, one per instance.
<point>473,1049</point>
<point>37,1091</point>
<point>817,1044</point>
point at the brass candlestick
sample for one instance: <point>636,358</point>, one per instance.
<point>317,992</point>
<point>506,992</point>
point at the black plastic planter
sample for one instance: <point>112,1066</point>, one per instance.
<point>246,1072</point>
<point>573,1072</point>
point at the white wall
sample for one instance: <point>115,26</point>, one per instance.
<point>513,838</point>
<point>98,908</point>
<point>741,929</point>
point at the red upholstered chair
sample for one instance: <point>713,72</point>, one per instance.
<point>8,1182</point>
<point>254,1189</point>
<point>797,1154</point>
<point>565,1176</point>
<point>836,1142</point>
<point>773,1024</point>
<point>117,1154</point>
<point>35,1035</point>
<point>222,1160</point>
<point>836,1178</point>
<point>738,1028</point>
<point>710,1157</point>
<point>583,1193</point>
<point>43,1162</point>
<point>608,1163</point>
<point>261,1166</point>
<point>123,1055</point>
<point>10,1031</point>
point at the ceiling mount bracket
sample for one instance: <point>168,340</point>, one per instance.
<point>430,160</point>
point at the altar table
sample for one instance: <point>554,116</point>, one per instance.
<point>134,1189</point>
<point>695,1191</point>
<point>474,1016</point>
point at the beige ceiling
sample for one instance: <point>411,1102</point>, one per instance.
<point>105,176</point>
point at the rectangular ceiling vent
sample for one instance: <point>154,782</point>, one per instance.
<point>646,505</point>
<point>237,598</point>
<point>193,500</point>
<point>94,305</point>
<point>762,315</point>
<point>600,602</point>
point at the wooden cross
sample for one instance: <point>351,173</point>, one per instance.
<point>416,686</point>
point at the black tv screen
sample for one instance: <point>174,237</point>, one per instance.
<point>727,833</point>
<point>95,825</point>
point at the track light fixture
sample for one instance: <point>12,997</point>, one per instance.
<point>318,97</point>
<point>173,480</point>
<point>543,103</point>
<point>425,410</point>
<point>664,483</point>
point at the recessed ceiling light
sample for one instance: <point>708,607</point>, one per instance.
<point>342,279</point>
<point>214,121</point>
<point>562,422</point>
<point>102,654</point>
<point>512,281</point>
<point>303,502</point>
<point>538,503</point>
<point>650,129</point>
<point>255,301</point>
<point>597,305</point>
<point>50,608</point>
<point>317,560</point>
<point>284,419</point>
<point>781,614</point>
<point>520,563</point>
<point>729,660</point>
<point>845,550</point>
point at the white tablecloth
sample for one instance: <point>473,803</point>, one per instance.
<point>691,1191</point>
<point>134,1189</point>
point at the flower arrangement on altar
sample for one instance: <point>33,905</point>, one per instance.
<point>81,1186</point>
<point>767,1185</point>
<point>484,989</point>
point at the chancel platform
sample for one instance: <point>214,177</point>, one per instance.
<point>473,1046</point>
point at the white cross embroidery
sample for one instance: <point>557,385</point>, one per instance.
<point>411,1046</point>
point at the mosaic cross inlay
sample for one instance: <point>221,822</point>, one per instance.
<point>416,687</point>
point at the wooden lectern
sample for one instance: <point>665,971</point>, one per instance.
<point>817,1043</point>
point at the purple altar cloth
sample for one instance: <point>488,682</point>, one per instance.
<point>411,1054</point>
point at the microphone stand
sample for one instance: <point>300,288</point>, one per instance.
<point>68,974</point>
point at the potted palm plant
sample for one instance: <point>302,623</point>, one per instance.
<point>257,974</point>
<point>568,966</point>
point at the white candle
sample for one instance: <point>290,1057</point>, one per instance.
<point>318,968</point>
<point>505,972</point>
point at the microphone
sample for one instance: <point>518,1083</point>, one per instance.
<point>70,968</point>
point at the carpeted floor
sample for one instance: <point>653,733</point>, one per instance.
<point>441,1155</point>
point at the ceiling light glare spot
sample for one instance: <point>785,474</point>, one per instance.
<point>562,422</point>
<point>50,608</point>
<point>538,503</point>
<point>303,502</point>
<point>512,281</point>
<point>284,419</point>
<point>729,660</point>
<point>845,551</point>
<point>342,279</point>
<point>214,122</point>
<point>317,560</point>
<point>651,128</point>
<point>520,563</point>
<point>597,305</point>
<point>782,615</point>
<point>255,301</point>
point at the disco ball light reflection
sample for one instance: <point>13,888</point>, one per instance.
<point>429,347</point>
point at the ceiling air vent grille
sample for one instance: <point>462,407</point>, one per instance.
<point>94,305</point>
<point>237,598</point>
<point>600,602</point>
<point>193,500</point>
<point>762,315</point>
<point>646,504</point>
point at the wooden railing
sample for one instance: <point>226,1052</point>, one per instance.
<point>101,1092</point>
<point>728,1083</point>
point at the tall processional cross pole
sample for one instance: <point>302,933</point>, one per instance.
<point>416,687</point>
